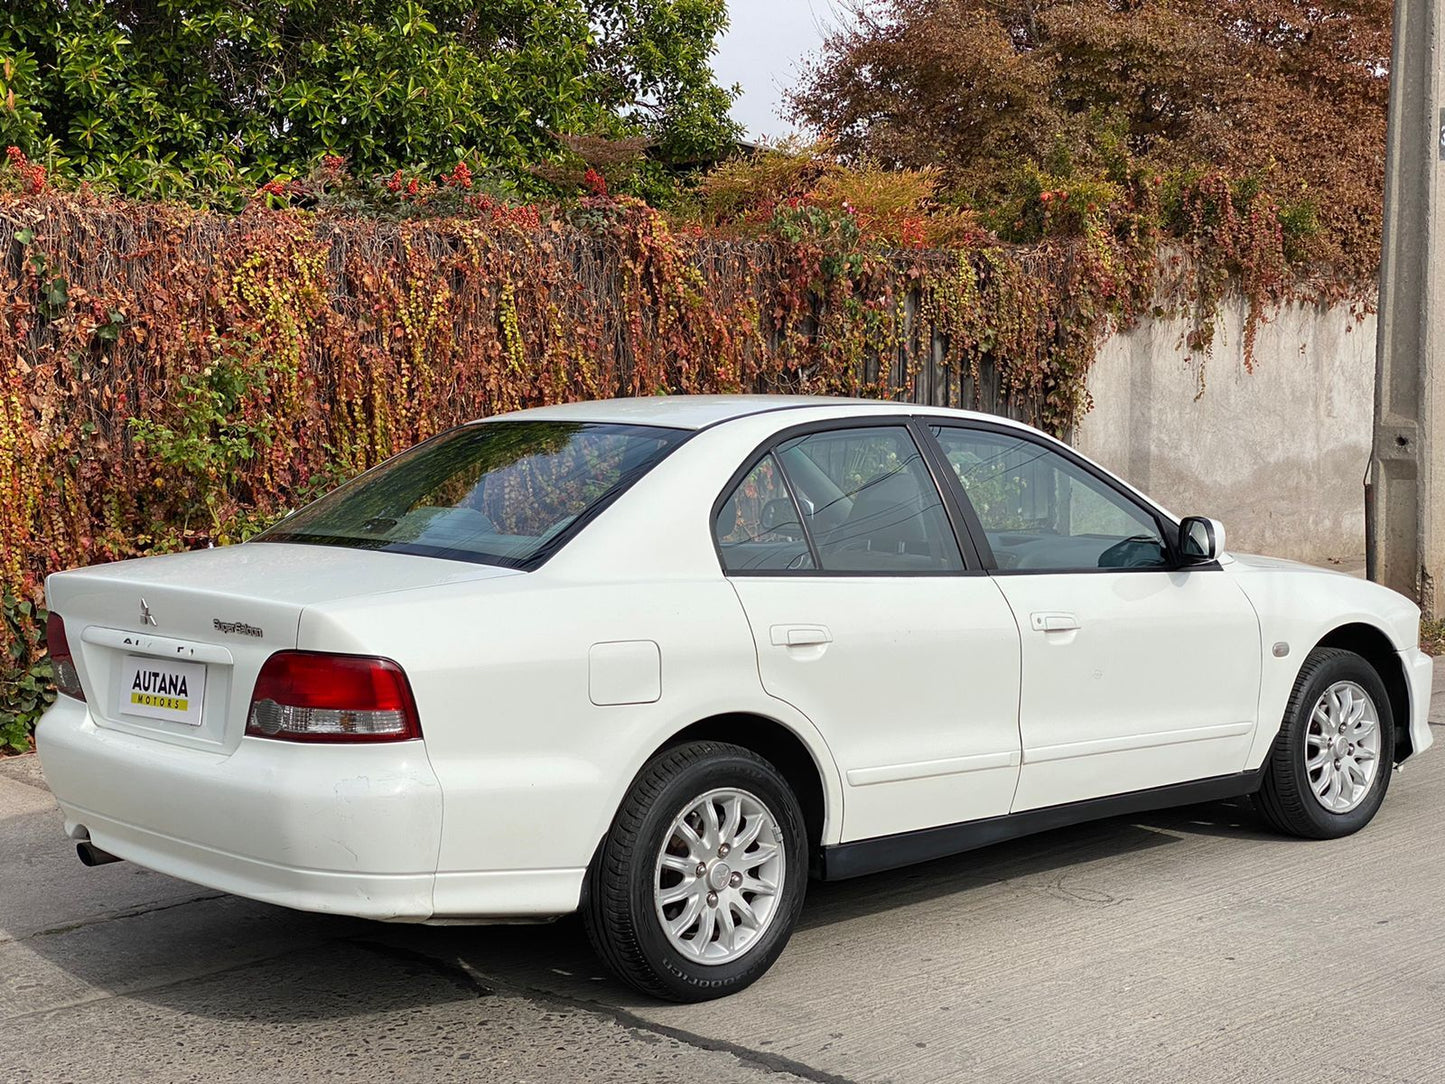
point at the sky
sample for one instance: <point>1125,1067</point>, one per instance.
<point>762,51</point>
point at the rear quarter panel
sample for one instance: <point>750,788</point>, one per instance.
<point>532,771</point>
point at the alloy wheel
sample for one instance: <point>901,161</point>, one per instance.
<point>1342,746</point>
<point>719,876</point>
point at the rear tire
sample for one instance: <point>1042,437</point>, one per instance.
<point>1330,766</point>
<point>699,882</point>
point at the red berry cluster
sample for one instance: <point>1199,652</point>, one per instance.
<point>595,182</point>
<point>399,184</point>
<point>459,177</point>
<point>524,215</point>
<point>32,174</point>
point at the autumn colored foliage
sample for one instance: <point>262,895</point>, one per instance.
<point>1285,95</point>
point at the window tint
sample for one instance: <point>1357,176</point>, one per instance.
<point>869,502</point>
<point>757,527</point>
<point>1041,511</point>
<point>496,493</point>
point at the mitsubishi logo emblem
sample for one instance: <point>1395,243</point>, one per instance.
<point>145,614</point>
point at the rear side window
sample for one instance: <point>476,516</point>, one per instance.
<point>869,502</point>
<point>849,500</point>
<point>504,493</point>
<point>758,527</point>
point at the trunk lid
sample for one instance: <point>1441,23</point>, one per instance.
<point>169,647</point>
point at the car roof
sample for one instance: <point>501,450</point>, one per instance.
<point>701,411</point>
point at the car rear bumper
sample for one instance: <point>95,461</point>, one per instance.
<point>1420,672</point>
<point>342,829</point>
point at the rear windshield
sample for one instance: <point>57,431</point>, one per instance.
<point>505,493</point>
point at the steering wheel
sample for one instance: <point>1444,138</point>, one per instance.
<point>1138,551</point>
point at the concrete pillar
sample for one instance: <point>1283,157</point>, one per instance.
<point>1406,521</point>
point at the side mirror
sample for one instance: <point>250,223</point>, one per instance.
<point>1201,540</point>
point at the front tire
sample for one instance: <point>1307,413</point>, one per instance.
<point>1330,766</point>
<point>698,885</point>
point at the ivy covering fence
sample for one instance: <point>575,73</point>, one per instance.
<point>173,378</point>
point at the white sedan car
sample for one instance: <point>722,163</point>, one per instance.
<point>661,660</point>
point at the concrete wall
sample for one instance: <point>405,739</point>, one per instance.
<point>1278,455</point>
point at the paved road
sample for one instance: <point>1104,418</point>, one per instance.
<point>1185,946</point>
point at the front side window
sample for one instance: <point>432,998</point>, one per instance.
<point>495,493</point>
<point>868,502</point>
<point>1041,511</point>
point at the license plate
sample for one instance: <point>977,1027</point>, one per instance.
<point>162,689</point>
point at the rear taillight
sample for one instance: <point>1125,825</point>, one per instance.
<point>66,676</point>
<point>314,696</point>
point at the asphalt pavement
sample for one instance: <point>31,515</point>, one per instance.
<point>1189,945</point>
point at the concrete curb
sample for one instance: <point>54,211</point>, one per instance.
<point>23,769</point>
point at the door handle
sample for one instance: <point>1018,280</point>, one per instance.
<point>1054,621</point>
<point>800,635</point>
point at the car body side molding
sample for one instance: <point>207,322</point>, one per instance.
<point>840,861</point>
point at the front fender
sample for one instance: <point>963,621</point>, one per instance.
<point>1298,607</point>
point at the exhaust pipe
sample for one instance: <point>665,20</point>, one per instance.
<point>91,855</point>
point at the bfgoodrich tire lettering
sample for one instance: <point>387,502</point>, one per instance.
<point>1313,748</point>
<point>622,912</point>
